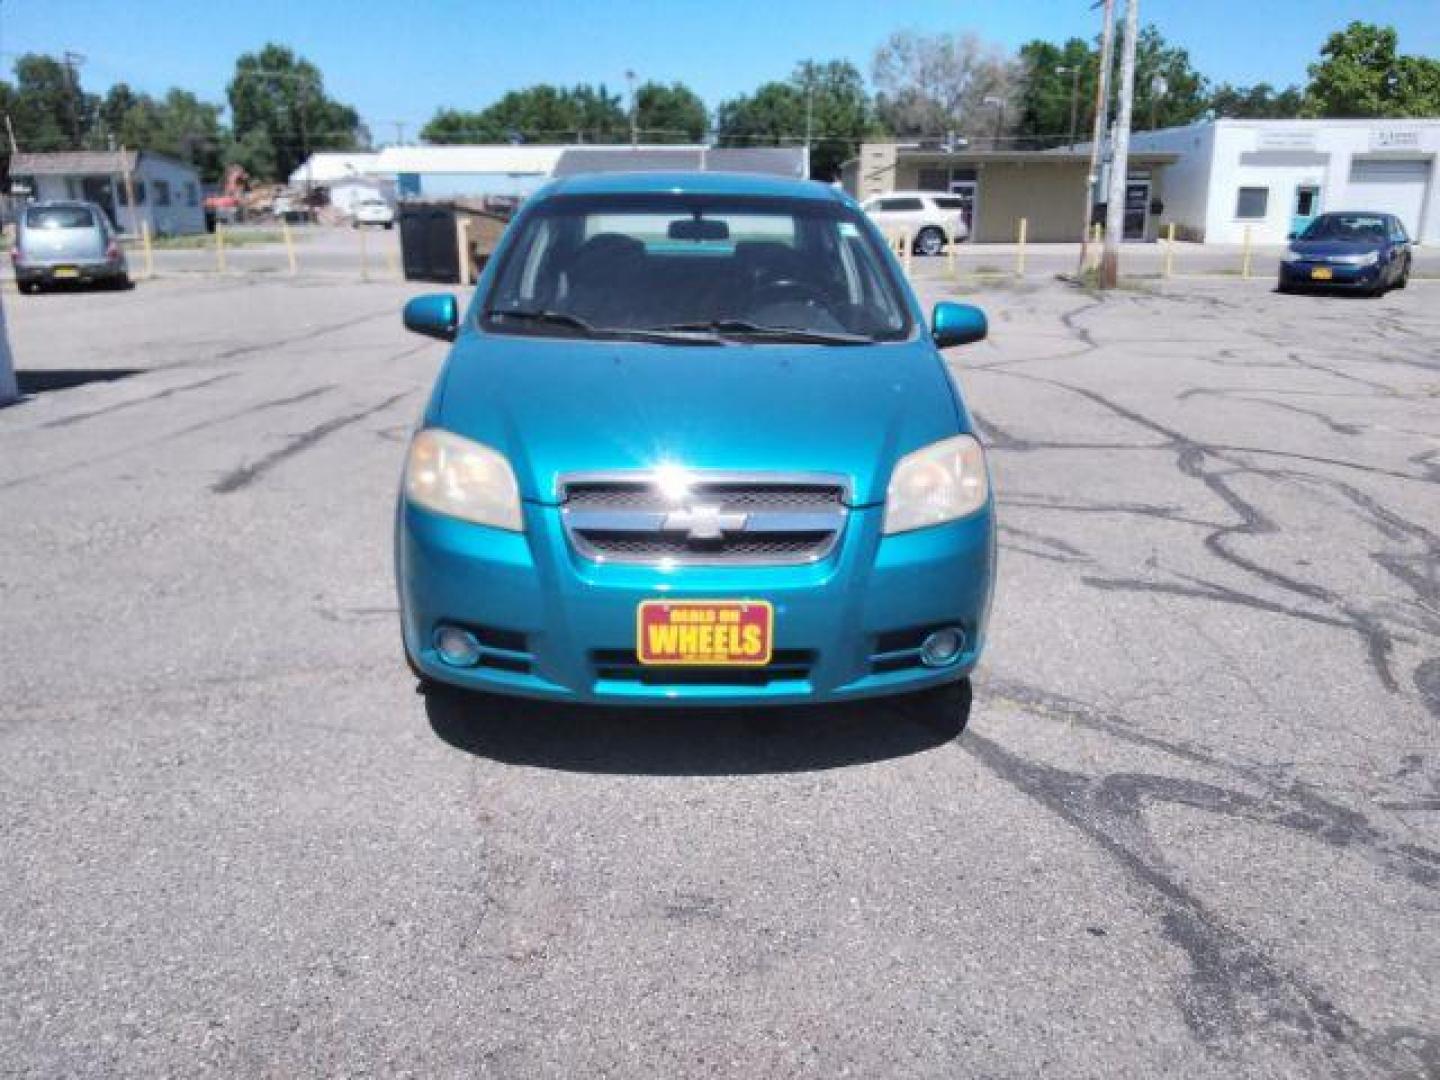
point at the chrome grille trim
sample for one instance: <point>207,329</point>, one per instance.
<point>726,519</point>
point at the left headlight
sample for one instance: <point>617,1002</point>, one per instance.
<point>462,479</point>
<point>1369,258</point>
<point>938,483</point>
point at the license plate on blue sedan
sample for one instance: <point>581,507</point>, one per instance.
<point>1321,273</point>
<point>712,633</point>
<point>66,271</point>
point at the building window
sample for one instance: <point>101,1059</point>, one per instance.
<point>162,192</point>
<point>139,186</point>
<point>932,179</point>
<point>192,194</point>
<point>1251,203</point>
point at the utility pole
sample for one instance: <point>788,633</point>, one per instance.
<point>72,60</point>
<point>1120,155</point>
<point>1097,138</point>
<point>634,111</point>
<point>399,132</point>
<point>809,107</point>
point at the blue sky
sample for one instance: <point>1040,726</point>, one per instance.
<point>400,61</point>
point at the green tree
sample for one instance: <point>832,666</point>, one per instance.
<point>179,124</point>
<point>541,113</point>
<point>48,109</point>
<point>282,96</point>
<point>1049,85</point>
<point>1361,73</point>
<point>1168,89</point>
<point>828,100</point>
<point>670,114</point>
<point>1259,102</point>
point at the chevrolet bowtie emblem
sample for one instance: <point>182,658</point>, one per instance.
<point>703,522</point>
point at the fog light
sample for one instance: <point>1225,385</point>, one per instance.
<point>457,647</point>
<point>943,647</point>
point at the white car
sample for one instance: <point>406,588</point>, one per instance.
<point>931,218</point>
<point>374,212</point>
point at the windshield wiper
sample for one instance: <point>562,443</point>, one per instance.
<point>543,315</point>
<point>743,328</point>
<point>659,335</point>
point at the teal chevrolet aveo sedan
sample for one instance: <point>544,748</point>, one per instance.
<point>695,443</point>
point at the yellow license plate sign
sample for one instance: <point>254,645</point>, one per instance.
<point>1321,273</point>
<point>67,271</point>
<point>712,633</point>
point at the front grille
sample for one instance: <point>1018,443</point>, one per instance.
<point>622,665</point>
<point>759,520</point>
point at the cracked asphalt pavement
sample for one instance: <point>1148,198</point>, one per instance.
<point>1193,827</point>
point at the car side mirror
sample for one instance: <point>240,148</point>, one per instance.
<point>435,315</point>
<point>1292,236</point>
<point>957,324</point>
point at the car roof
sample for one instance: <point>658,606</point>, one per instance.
<point>691,183</point>
<point>46,204</point>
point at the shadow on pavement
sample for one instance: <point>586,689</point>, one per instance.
<point>44,382</point>
<point>689,741</point>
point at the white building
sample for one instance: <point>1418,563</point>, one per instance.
<point>441,172</point>
<point>1273,176</point>
<point>166,192</point>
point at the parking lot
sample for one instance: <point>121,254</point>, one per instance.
<point>1192,828</point>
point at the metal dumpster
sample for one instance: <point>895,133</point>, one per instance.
<point>430,239</point>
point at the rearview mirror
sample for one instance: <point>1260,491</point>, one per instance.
<point>435,315</point>
<point>957,324</point>
<point>698,229</point>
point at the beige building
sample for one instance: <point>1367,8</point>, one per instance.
<point>1047,188</point>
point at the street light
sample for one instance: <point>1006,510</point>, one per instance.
<point>634,111</point>
<point>1074,72</point>
<point>999,103</point>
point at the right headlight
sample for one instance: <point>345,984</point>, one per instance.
<point>935,484</point>
<point>462,479</point>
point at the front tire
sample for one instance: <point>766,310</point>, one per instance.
<point>945,708</point>
<point>1404,278</point>
<point>930,241</point>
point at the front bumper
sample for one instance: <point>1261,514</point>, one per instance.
<point>1299,275</point>
<point>557,626</point>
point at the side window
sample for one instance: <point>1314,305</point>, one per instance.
<point>1251,203</point>
<point>903,205</point>
<point>1397,232</point>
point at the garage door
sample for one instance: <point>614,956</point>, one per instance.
<point>1392,187</point>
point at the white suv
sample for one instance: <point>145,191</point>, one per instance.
<point>374,212</point>
<point>930,217</point>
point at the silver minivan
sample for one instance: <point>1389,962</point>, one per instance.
<point>61,242</point>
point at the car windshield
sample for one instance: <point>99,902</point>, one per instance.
<point>696,267</point>
<point>59,217</point>
<point>1346,227</point>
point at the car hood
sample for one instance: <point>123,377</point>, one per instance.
<point>557,406</point>
<point>1335,247</point>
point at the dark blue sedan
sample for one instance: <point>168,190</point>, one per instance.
<point>1359,251</point>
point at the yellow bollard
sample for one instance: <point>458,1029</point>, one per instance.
<point>391,264</point>
<point>364,254</point>
<point>289,243</point>
<point>951,243</point>
<point>1020,252</point>
<point>220,247</point>
<point>1169,251</point>
<point>148,249</point>
<point>1245,256</point>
